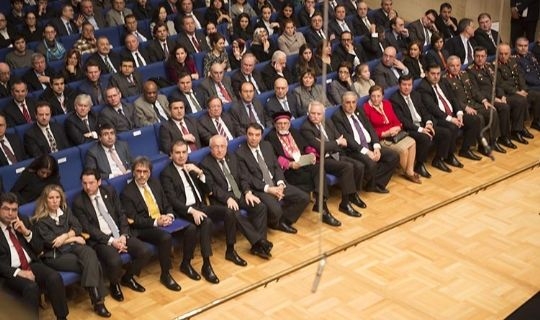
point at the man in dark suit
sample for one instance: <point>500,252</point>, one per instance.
<point>315,33</point>
<point>108,61</point>
<point>524,19</point>
<point>289,146</point>
<point>65,24</point>
<point>339,23</point>
<point>93,15</point>
<point>131,27</point>
<point>101,215</point>
<point>59,95</point>
<point>20,268</point>
<point>374,43</point>
<point>194,98</point>
<point>186,9</point>
<point>93,85</point>
<point>111,157</point>
<point>421,30</point>
<point>248,73</point>
<point>38,77</point>
<point>229,187</point>
<point>363,144</point>
<point>398,35</point>
<point>161,46</point>
<point>285,202</point>
<point>44,136</point>
<point>305,14</point>
<point>276,68</point>
<point>5,80</point>
<point>384,14</point>
<point>81,124</point>
<point>121,115</point>
<point>248,110</point>
<point>360,21</point>
<point>484,36</point>
<point>446,23</point>
<point>20,110</point>
<point>133,50</point>
<point>6,32</point>
<point>185,188</point>
<point>388,71</point>
<point>218,84</point>
<point>348,51</point>
<point>438,97</point>
<point>128,80</point>
<point>420,125</point>
<point>215,121</point>
<point>191,38</point>
<point>146,204</point>
<point>283,100</point>
<point>463,44</point>
<point>179,127</point>
<point>11,147</point>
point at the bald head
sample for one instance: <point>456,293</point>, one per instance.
<point>504,52</point>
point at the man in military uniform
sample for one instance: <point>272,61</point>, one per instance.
<point>528,64</point>
<point>473,102</point>
<point>484,74</point>
<point>512,81</point>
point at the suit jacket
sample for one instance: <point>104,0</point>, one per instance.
<point>429,98</point>
<point>216,181</point>
<point>481,38</point>
<point>69,100</point>
<point>207,128</point>
<point>342,54</point>
<point>241,119</point>
<point>36,143</point>
<point>312,37</point>
<point>75,128</point>
<point>237,78</point>
<point>155,50</point>
<point>4,43</point>
<point>270,75</point>
<point>114,18</point>
<point>400,43</point>
<point>532,5</point>
<point>13,114</point>
<point>125,53</point>
<point>415,68</point>
<point>251,169</point>
<point>360,28</point>
<point>136,208</point>
<point>372,46</point>
<point>169,133</point>
<point>99,17</point>
<point>128,89</point>
<point>416,32</point>
<point>113,56</point>
<point>311,134</point>
<point>433,57</point>
<point>344,127</point>
<point>84,210</point>
<point>380,18</point>
<point>145,32</point>
<point>208,85</point>
<point>335,29</point>
<point>455,47</point>
<point>200,95</point>
<point>401,109</point>
<point>273,105</point>
<point>61,28</point>
<point>446,31</point>
<point>5,91</point>
<point>145,112</point>
<point>31,248</point>
<point>96,158</point>
<point>184,40</point>
<point>88,88</point>
<point>32,80</point>
<point>384,76</point>
<point>16,147</point>
<point>121,123</point>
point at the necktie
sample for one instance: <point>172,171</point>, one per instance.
<point>426,37</point>
<point>344,26</point>
<point>140,37</point>
<point>9,154</point>
<point>51,140</point>
<point>130,79</point>
<point>366,22</point>
<point>20,251</point>
<point>358,127</point>
<point>158,113</point>
<point>334,155</point>
<point>108,65</point>
<point>121,17</point>
<point>185,131</point>
<point>264,169</point>
<point>224,93</point>
<point>250,79</point>
<point>285,105</point>
<point>87,124</point>
<point>447,109</point>
<point>469,52</point>
<point>165,50</point>
<point>196,44</point>
<point>121,112</point>
<point>69,29</point>
<point>251,113</point>
<point>196,107</point>
<point>117,161</point>
<point>321,34</point>
<point>220,129</point>
<point>414,115</point>
<point>107,216</point>
<point>192,185</point>
<point>139,60</point>
<point>98,93</point>
<point>25,113</point>
<point>151,204</point>
<point>230,179</point>
<point>62,99</point>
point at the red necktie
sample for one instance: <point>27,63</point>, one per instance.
<point>185,131</point>
<point>196,43</point>
<point>220,129</point>
<point>224,93</point>
<point>20,251</point>
<point>447,109</point>
<point>9,154</point>
<point>25,113</point>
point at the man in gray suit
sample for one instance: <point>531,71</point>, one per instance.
<point>120,115</point>
<point>217,84</point>
<point>388,71</point>
<point>127,79</point>
<point>151,106</point>
<point>92,15</point>
<point>115,16</point>
<point>111,157</point>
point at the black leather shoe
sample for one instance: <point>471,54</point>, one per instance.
<point>101,310</point>
<point>439,164</point>
<point>235,258</point>
<point>355,199</point>
<point>517,136</point>
<point>329,219</point>
<point>167,280</point>
<point>208,274</point>
<point>259,250</point>
<point>283,226</point>
<point>469,155</point>
<point>505,141</point>
<point>116,292</point>
<point>378,189</point>
<point>497,147</point>
<point>422,170</point>
<point>453,161</point>
<point>526,134</point>
<point>132,284</point>
<point>347,209</point>
<point>188,270</point>
<point>536,125</point>
<point>483,151</point>
<point>267,246</point>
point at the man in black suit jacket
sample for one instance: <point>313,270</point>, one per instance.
<point>420,125</point>
<point>215,121</point>
<point>315,33</point>
<point>463,44</point>
<point>81,124</point>
<point>276,68</point>
<point>128,79</point>
<point>380,163</point>
<point>10,144</point>
<point>484,36</point>
<point>191,38</point>
<point>388,71</point>
<point>283,100</point>
<point>161,46</point>
<point>92,14</point>
<point>446,23</point>
<point>38,77</point>
<point>131,27</point>
<point>121,115</point>
<point>285,202</point>
<point>384,14</point>
<point>133,50</point>
<point>421,30</point>
<point>93,85</point>
<point>5,80</point>
<point>101,215</point>
<point>146,204</point>
<point>228,187</point>
<point>22,275</point>
<point>339,23</point>
<point>398,35</point>
<point>194,98</point>
<point>179,127</point>
<point>374,43</point>
<point>58,95</point>
<point>448,114</point>
<point>20,110</point>
<point>520,25</point>
<point>360,21</point>
<point>348,51</point>
<point>64,24</point>
<point>185,188</point>
<point>248,73</point>
<point>248,110</point>
<point>185,8</point>
<point>37,140</point>
<point>108,61</point>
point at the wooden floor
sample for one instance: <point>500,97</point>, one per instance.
<point>475,258</point>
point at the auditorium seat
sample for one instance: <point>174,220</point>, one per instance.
<point>10,174</point>
<point>70,167</point>
<point>142,142</point>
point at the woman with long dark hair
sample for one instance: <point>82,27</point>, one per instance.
<point>40,173</point>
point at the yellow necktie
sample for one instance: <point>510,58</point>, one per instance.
<point>151,203</point>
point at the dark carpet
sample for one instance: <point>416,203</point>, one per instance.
<point>530,310</point>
